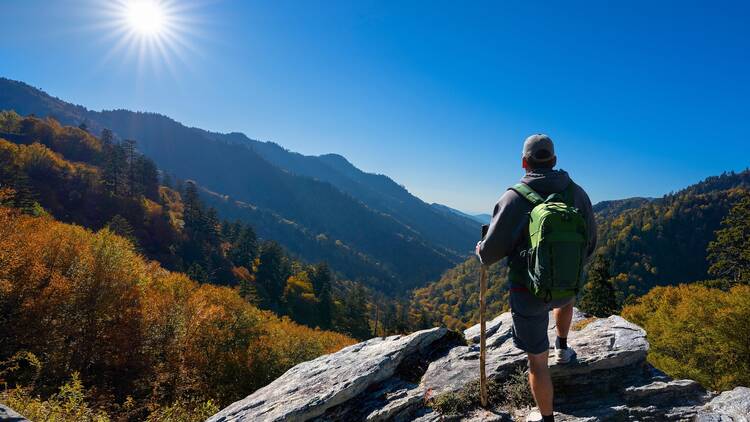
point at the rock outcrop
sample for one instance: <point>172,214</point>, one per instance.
<point>9,415</point>
<point>400,377</point>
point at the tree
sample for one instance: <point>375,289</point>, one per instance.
<point>107,137</point>
<point>10,121</point>
<point>193,207</point>
<point>140,338</point>
<point>729,253</point>
<point>273,271</point>
<point>600,295</point>
<point>120,226</point>
<point>697,332</point>
<point>146,177</point>
<point>198,273</point>
<point>128,146</point>
<point>352,317</point>
<point>300,300</point>
<point>115,169</point>
<point>321,279</point>
<point>244,244</point>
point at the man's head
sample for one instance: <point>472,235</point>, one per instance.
<point>538,153</point>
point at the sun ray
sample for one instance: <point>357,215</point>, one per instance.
<point>150,34</point>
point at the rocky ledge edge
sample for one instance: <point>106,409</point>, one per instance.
<point>397,378</point>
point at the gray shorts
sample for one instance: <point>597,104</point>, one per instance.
<point>530,320</point>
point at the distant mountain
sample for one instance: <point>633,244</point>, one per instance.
<point>367,226</point>
<point>446,210</point>
<point>377,191</point>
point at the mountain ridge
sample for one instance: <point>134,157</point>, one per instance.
<point>371,214</point>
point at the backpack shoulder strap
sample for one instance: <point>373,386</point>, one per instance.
<point>528,193</point>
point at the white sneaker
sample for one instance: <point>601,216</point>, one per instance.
<point>563,356</point>
<point>534,416</point>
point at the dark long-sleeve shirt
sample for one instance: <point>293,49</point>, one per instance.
<point>510,217</point>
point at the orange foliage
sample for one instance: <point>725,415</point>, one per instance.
<point>88,302</point>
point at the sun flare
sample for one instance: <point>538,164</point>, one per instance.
<point>155,35</point>
<point>145,17</point>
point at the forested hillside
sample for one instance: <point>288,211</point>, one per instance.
<point>140,301</point>
<point>365,225</point>
<point>133,339</point>
<point>642,243</point>
<point>453,300</point>
<point>101,183</point>
<point>663,242</point>
<point>377,191</point>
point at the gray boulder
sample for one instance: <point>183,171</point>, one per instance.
<point>9,415</point>
<point>310,388</point>
<point>399,377</point>
<point>729,406</point>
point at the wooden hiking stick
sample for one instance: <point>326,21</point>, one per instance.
<point>482,336</point>
<point>482,329</point>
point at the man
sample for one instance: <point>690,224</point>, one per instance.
<point>506,237</point>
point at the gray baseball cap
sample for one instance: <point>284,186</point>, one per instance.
<point>539,147</point>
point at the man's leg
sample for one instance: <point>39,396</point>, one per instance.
<point>540,382</point>
<point>563,319</point>
<point>530,322</point>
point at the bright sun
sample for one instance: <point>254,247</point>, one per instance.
<point>158,34</point>
<point>145,17</point>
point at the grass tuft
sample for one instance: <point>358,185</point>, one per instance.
<point>510,393</point>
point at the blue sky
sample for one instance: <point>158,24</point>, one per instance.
<point>641,98</point>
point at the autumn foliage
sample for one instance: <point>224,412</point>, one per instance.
<point>697,332</point>
<point>88,303</point>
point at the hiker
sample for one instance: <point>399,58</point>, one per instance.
<point>508,236</point>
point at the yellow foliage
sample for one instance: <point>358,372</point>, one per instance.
<point>88,302</point>
<point>697,332</point>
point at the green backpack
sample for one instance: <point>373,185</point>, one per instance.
<point>551,266</point>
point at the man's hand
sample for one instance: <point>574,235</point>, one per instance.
<point>479,245</point>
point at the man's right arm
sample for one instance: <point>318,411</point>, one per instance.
<point>505,228</point>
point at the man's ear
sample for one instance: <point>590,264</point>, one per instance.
<point>524,163</point>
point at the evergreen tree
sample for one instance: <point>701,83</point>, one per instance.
<point>115,169</point>
<point>212,226</point>
<point>146,177</point>
<point>249,291</point>
<point>192,206</point>
<point>128,147</point>
<point>120,226</point>
<point>321,280</point>
<point>193,248</point>
<point>273,271</point>
<point>600,296</point>
<point>198,273</point>
<point>244,244</point>
<point>729,253</point>
<point>353,319</point>
<point>107,137</point>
